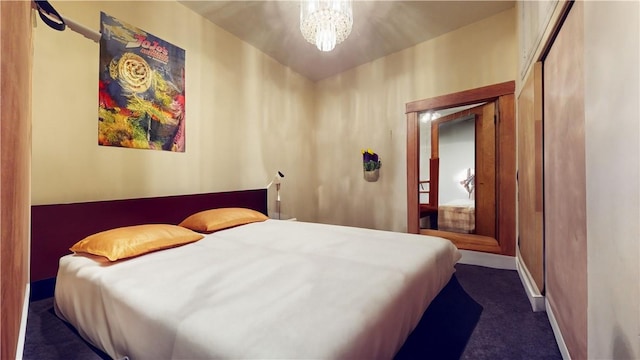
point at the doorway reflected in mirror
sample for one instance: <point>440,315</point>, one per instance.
<point>447,175</point>
<point>490,185</point>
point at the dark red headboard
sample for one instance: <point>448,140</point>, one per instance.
<point>55,228</point>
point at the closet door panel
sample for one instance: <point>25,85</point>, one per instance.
<point>530,176</point>
<point>15,174</point>
<point>565,183</point>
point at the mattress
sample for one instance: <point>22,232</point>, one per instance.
<point>457,216</point>
<point>274,289</point>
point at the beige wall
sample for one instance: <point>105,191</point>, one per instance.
<point>247,115</point>
<point>364,108</point>
<point>612,141</point>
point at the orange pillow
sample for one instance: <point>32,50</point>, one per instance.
<point>218,219</point>
<point>130,241</point>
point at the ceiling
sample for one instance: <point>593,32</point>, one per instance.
<point>379,28</point>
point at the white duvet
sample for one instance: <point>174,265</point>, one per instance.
<point>269,290</point>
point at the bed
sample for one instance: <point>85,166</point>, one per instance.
<point>457,216</point>
<point>268,289</point>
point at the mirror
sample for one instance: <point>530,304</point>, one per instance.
<point>493,174</point>
<point>447,168</point>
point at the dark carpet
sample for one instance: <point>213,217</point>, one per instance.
<point>445,327</point>
<point>508,328</point>
<point>49,338</point>
<point>482,313</point>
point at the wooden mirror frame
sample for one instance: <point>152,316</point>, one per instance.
<point>503,94</point>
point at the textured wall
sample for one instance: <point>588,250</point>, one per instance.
<point>364,108</point>
<point>247,115</point>
<point>612,136</point>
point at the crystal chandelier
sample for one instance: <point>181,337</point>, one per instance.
<point>326,23</point>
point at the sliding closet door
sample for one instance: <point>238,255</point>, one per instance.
<point>15,178</point>
<point>530,175</point>
<point>565,182</point>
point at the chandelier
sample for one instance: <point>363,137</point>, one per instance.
<point>326,23</point>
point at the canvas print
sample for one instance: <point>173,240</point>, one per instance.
<point>141,89</point>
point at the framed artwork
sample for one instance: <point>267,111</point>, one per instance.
<point>141,89</point>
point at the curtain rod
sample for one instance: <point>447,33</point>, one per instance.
<point>82,30</point>
<point>53,19</point>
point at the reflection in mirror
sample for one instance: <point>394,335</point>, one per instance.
<point>447,170</point>
<point>456,208</point>
<point>428,190</point>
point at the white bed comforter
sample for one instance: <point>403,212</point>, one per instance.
<point>276,289</point>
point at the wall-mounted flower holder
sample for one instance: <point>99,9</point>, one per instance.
<point>371,165</point>
<point>372,175</point>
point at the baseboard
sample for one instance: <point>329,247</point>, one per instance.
<point>488,260</point>
<point>533,293</point>
<point>556,332</point>
<point>23,322</point>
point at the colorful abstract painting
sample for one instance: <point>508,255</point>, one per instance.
<point>141,89</point>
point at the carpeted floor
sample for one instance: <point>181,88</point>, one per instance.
<point>483,313</point>
<point>445,327</point>
<point>49,338</point>
<point>507,329</point>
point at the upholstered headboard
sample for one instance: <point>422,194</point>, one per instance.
<point>54,228</point>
